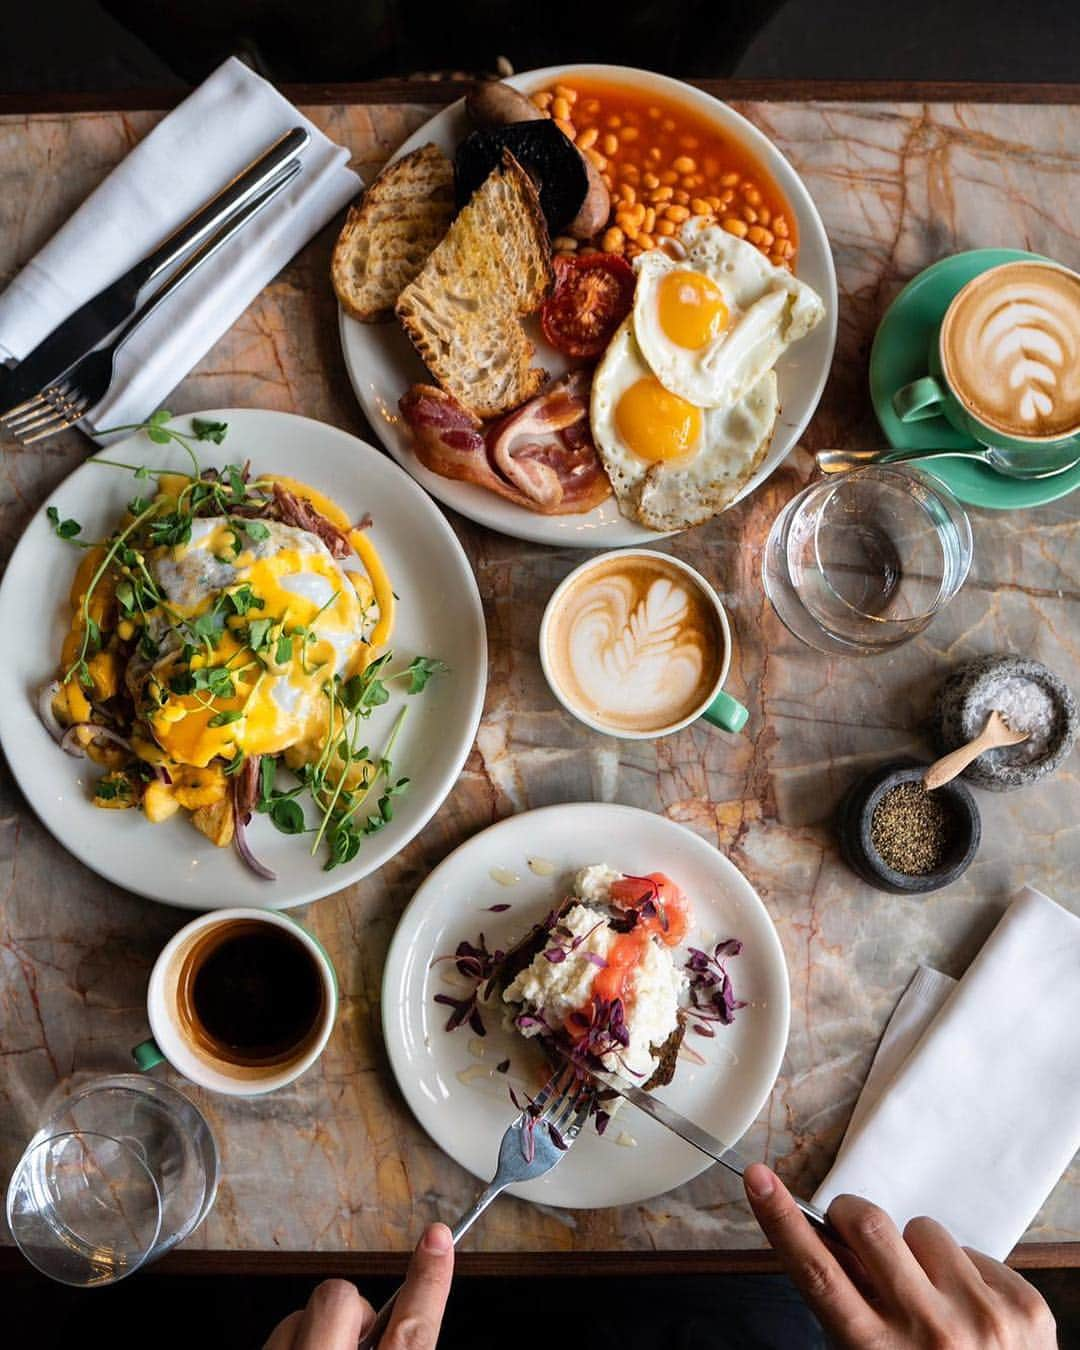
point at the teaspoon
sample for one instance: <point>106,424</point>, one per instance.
<point>1012,463</point>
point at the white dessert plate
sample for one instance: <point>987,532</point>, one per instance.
<point>450,1079</point>
<point>382,363</point>
<point>439,615</point>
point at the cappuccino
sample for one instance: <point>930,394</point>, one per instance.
<point>1010,349</point>
<point>634,644</point>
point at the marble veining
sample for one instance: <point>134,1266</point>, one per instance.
<point>336,1161</point>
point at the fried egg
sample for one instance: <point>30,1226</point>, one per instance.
<point>672,463</point>
<point>711,325</point>
<point>278,615</point>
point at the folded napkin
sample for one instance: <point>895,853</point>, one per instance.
<point>190,155</point>
<point>971,1111</point>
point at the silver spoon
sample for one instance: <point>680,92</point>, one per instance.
<point>1032,462</point>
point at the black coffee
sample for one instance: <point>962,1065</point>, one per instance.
<point>251,993</point>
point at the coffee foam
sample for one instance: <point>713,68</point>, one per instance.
<point>635,644</point>
<point>1011,350</point>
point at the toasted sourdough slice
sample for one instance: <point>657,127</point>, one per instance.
<point>521,955</point>
<point>387,238</point>
<point>463,311</point>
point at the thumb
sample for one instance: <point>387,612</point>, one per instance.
<point>418,1311</point>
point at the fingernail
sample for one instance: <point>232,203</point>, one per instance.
<point>437,1240</point>
<point>759,1181</point>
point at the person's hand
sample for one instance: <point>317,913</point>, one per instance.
<point>336,1316</point>
<point>921,1291</point>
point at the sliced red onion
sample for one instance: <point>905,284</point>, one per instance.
<point>244,849</point>
<point>45,710</point>
<point>73,746</point>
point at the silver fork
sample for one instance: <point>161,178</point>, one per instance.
<point>535,1143</point>
<point>87,382</point>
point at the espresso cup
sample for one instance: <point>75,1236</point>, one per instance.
<point>241,1001</point>
<point>1004,364</point>
<point>636,644</point>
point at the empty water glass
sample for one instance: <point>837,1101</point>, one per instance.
<point>863,562</point>
<point>123,1170</point>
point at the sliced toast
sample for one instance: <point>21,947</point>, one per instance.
<point>463,310</point>
<point>387,238</point>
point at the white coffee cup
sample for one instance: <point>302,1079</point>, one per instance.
<point>171,1040</point>
<point>704,698</point>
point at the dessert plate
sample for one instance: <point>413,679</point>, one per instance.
<point>899,355</point>
<point>439,614</point>
<point>382,363</point>
<point>450,1079</point>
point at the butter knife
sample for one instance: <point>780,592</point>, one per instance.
<point>92,322</point>
<point>701,1139</point>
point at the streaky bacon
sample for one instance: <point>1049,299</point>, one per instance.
<point>296,511</point>
<point>546,449</point>
<point>541,456</point>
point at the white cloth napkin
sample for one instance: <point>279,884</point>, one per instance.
<point>217,131</point>
<point>971,1110</point>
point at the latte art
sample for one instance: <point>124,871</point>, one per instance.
<point>635,645</point>
<point>1011,349</point>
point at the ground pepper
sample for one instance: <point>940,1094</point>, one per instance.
<point>912,829</point>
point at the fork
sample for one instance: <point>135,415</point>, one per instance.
<point>87,382</point>
<point>533,1144</point>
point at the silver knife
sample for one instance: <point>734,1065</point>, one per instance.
<point>701,1139</point>
<point>92,322</point>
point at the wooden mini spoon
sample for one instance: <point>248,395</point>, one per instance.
<point>997,732</point>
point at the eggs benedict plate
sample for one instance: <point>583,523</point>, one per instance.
<point>294,670</point>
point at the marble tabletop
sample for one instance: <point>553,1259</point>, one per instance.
<point>336,1163</point>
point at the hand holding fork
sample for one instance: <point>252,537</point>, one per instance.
<point>532,1145</point>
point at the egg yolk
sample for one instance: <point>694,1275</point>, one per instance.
<point>277,700</point>
<point>691,309</point>
<point>655,423</point>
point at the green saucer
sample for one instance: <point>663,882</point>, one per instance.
<point>899,355</point>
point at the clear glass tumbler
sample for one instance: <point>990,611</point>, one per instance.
<point>863,562</point>
<point>120,1172</point>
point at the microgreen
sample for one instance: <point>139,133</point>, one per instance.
<point>66,529</point>
<point>209,431</point>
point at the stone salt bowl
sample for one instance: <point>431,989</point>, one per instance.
<point>957,720</point>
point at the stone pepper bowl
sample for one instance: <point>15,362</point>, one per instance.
<point>955,724</point>
<point>856,815</point>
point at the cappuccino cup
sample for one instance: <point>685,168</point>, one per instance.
<point>241,1001</point>
<point>1005,363</point>
<point>636,644</point>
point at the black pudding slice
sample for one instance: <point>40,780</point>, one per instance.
<point>542,150</point>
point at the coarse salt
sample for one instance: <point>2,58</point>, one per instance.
<point>1025,706</point>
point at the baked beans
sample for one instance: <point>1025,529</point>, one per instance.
<point>664,163</point>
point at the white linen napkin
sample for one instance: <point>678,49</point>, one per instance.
<point>971,1110</point>
<point>189,156</point>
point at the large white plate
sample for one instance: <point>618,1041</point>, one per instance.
<point>466,1116</point>
<point>439,615</point>
<point>382,363</point>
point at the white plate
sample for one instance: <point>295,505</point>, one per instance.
<point>382,363</point>
<point>439,615</point>
<point>467,1118</point>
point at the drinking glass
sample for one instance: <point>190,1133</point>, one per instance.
<point>121,1172</point>
<point>863,562</point>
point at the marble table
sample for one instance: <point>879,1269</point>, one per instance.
<point>334,1171</point>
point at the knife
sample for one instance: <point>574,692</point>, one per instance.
<point>92,322</point>
<point>701,1139</point>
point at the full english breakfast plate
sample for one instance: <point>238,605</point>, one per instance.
<point>588,306</point>
<point>234,687</point>
<point>586,930</point>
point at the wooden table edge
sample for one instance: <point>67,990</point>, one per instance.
<point>439,92</point>
<point>509,1265</point>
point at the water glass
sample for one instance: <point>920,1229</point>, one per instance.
<point>121,1172</point>
<point>863,562</point>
